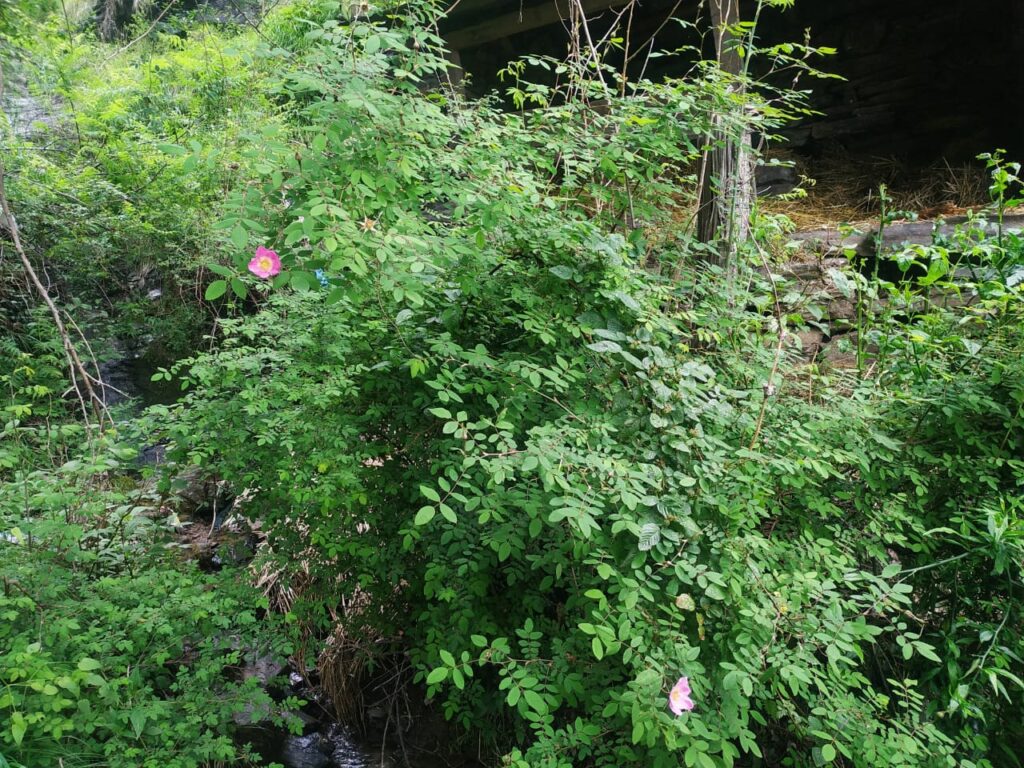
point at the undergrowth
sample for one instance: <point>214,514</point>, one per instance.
<point>497,416</point>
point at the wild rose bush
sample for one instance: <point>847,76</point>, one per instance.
<point>551,470</point>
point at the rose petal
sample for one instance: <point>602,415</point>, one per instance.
<point>266,263</point>
<point>679,700</point>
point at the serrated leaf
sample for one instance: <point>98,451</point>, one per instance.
<point>238,287</point>
<point>137,717</point>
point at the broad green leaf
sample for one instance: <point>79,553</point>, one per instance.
<point>18,727</point>
<point>424,516</point>
<point>215,290</point>
<point>438,675</point>
<point>239,237</point>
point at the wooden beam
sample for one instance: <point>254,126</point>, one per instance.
<point>524,20</point>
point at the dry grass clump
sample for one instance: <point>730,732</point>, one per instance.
<point>341,666</point>
<point>841,188</point>
<point>281,583</point>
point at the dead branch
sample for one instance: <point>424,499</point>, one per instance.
<point>80,378</point>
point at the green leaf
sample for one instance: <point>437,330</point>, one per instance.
<point>650,535</point>
<point>218,269</point>
<point>926,650</point>
<point>604,346</point>
<point>424,516</point>
<point>828,753</point>
<point>458,679</point>
<point>216,289</point>
<point>438,675</point>
<point>238,287</point>
<point>239,237</point>
<point>138,721</point>
<point>448,513</point>
<point>715,592</point>
<point>88,665</point>
<point>535,702</point>
<point>175,150</point>
<point>430,493</point>
<point>18,727</point>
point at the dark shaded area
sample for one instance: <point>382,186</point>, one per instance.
<point>924,79</point>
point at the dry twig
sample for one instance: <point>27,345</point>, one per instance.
<point>81,380</point>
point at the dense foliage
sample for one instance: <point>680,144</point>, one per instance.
<point>496,415</point>
<point>112,650</point>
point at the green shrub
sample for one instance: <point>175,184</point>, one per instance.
<point>114,650</point>
<point>563,481</point>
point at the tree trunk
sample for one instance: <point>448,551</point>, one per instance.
<point>726,183</point>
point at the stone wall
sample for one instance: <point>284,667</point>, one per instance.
<point>923,78</point>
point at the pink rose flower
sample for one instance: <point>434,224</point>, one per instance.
<point>679,700</point>
<point>266,263</point>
